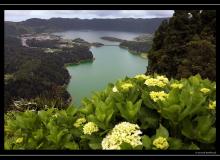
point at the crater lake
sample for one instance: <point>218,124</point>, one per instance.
<point>111,63</point>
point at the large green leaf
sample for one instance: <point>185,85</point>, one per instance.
<point>38,134</point>
<point>95,144</point>
<point>88,109</point>
<point>173,98</point>
<point>126,146</point>
<point>61,134</point>
<point>118,97</point>
<point>162,131</point>
<point>129,110</point>
<point>192,146</point>
<point>71,145</point>
<point>148,118</point>
<point>45,115</point>
<point>104,113</point>
<point>203,129</point>
<point>193,102</point>
<point>171,112</point>
<point>133,95</point>
<point>71,111</point>
<point>75,132</point>
<point>175,143</point>
<point>146,141</point>
<point>100,111</point>
<point>187,129</point>
<point>32,143</point>
<point>26,123</point>
<point>139,147</point>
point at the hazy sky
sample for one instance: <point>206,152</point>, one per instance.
<point>21,15</point>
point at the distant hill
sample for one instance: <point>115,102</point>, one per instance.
<point>62,24</point>
<point>14,29</point>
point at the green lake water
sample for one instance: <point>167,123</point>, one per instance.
<point>111,63</point>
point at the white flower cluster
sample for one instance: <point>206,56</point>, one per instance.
<point>122,132</point>
<point>114,89</point>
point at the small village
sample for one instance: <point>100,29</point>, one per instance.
<point>39,37</point>
<point>60,43</point>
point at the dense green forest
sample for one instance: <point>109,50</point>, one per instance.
<point>43,43</point>
<point>136,47</point>
<point>185,45</point>
<point>113,39</point>
<point>31,72</point>
<point>140,44</point>
<point>16,29</point>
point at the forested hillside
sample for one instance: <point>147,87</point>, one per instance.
<point>30,73</point>
<point>185,45</point>
<point>15,29</point>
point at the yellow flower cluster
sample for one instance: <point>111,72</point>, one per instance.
<point>176,85</point>
<point>114,89</point>
<point>126,86</point>
<point>161,143</point>
<point>212,105</point>
<point>122,132</point>
<point>141,76</point>
<point>205,90</point>
<point>163,79</point>
<point>90,128</point>
<point>156,96</point>
<point>159,81</point>
<point>79,122</point>
<point>19,140</point>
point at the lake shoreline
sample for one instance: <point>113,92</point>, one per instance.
<point>126,44</point>
<point>70,98</point>
<point>140,54</point>
<point>79,62</point>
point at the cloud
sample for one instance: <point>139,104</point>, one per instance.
<point>21,15</point>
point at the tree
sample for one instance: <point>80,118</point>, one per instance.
<point>182,45</point>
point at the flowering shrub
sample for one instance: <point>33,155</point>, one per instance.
<point>144,112</point>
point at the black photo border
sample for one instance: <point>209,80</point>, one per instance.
<point>98,152</point>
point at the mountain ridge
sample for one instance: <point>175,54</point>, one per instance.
<point>145,25</point>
